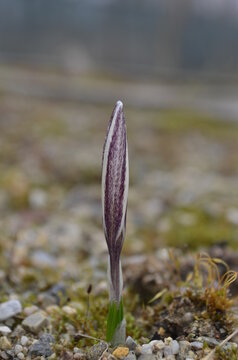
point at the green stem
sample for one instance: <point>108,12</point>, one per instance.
<point>114,319</point>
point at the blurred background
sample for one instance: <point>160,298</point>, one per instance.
<point>63,65</point>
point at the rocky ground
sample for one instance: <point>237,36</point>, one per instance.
<point>183,201</point>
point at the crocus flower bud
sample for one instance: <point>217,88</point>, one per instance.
<point>115,182</point>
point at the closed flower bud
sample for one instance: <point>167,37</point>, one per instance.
<point>115,182</point>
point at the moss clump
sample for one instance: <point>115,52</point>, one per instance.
<point>208,288</point>
<point>226,353</point>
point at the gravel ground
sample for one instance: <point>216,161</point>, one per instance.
<point>183,200</point>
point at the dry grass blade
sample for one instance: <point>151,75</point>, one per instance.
<point>89,337</point>
<point>157,296</point>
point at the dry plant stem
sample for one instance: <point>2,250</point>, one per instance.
<point>210,355</point>
<point>89,337</point>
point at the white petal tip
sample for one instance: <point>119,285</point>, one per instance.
<point>119,104</point>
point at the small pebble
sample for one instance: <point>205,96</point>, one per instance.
<point>197,345</point>
<point>210,341</point>
<point>191,355</point>
<point>30,310</point>
<point>76,350</point>
<point>3,355</point>
<point>68,310</point>
<point>131,356</point>
<point>21,356</point>
<point>40,348</point>
<point>18,349</point>
<point>24,340</point>
<point>158,346</point>
<point>168,341</point>
<point>35,322</point>
<point>9,309</point>
<point>188,318</point>
<point>185,347</point>
<point>146,349</point>
<point>130,343</point>
<point>5,330</point>
<point>5,344</point>
<point>175,347</point>
<point>137,350</point>
<point>96,351</point>
<point>120,352</point>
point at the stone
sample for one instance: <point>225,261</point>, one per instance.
<point>175,347</point>
<point>21,356</point>
<point>158,346</point>
<point>52,309</point>
<point>130,343</point>
<point>9,309</point>
<point>96,351</point>
<point>172,348</point>
<point>148,357</point>
<point>137,350</point>
<point>168,341</point>
<point>3,355</point>
<point>18,348</point>
<point>68,310</point>
<point>35,322</point>
<point>185,347</point>
<point>197,345</point>
<point>191,355</point>
<point>5,330</point>
<point>24,340</point>
<point>188,318</point>
<point>42,259</point>
<point>48,338</point>
<point>5,344</point>
<point>211,342</point>
<point>131,356</point>
<point>30,310</point>
<point>42,347</point>
<point>120,352</point>
<point>146,349</point>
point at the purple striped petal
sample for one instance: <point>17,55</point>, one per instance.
<point>115,182</point>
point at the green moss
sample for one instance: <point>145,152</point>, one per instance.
<point>203,232</point>
<point>226,353</point>
<point>182,121</point>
